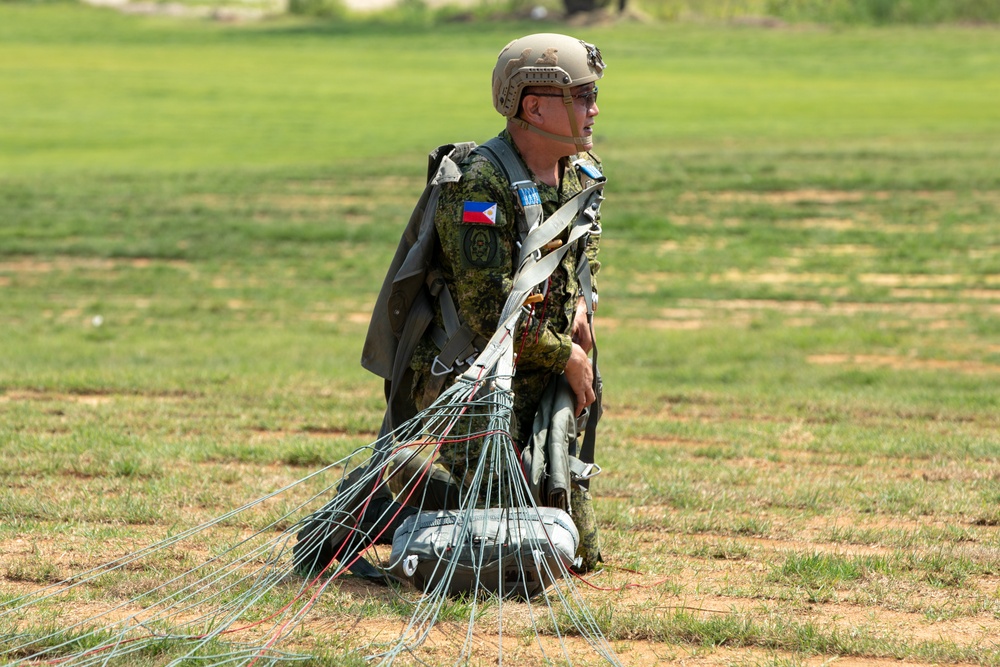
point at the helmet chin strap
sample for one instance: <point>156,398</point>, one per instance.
<point>576,139</point>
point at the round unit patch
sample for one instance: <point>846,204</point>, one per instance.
<point>480,246</point>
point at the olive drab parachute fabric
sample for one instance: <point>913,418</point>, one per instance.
<point>403,309</point>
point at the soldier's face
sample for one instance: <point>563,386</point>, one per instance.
<point>584,110</point>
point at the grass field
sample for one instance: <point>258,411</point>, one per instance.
<point>799,321</point>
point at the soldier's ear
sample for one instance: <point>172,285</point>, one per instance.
<point>531,108</point>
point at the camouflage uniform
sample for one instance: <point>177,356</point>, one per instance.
<point>478,263</point>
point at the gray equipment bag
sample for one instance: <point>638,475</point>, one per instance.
<point>550,460</point>
<point>508,552</point>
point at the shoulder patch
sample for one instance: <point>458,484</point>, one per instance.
<point>479,213</point>
<point>480,246</point>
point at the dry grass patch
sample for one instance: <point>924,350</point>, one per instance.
<point>897,362</point>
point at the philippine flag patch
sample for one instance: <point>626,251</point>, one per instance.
<point>479,213</point>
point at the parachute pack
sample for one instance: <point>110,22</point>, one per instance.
<point>504,551</point>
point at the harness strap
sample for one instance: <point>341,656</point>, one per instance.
<point>596,409</point>
<point>458,343</point>
<point>579,213</point>
<point>531,272</point>
<point>581,471</point>
<point>500,153</point>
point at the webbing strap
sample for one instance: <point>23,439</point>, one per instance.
<point>532,271</point>
<point>580,205</point>
<point>458,340</point>
<point>449,313</point>
<point>500,153</point>
<point>581,470</point>
<point>589,443</point>
<point>581,212</point>
<point>503,156</point>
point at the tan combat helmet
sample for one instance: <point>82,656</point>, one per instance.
<point>544,59</point>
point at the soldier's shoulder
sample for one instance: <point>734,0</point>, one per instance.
<point>589,168</point>
<point>589,156</point>
<point>480,175</point>
<point>477,165</point>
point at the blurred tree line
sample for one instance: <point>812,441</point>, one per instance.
<point>866,12</point>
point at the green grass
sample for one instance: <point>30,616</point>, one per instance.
<point>112,93</point>
<point>773,633</point>
<point>798,319</point>
<point>827,12</point>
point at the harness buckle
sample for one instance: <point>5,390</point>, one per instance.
<point>438,368</point>
<point>589,170</point>
<point>580,471</point>
<point>527,193</point>
<point>589,470</point>
<point>435,283</point>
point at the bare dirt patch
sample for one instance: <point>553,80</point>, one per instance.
<point>83,399</point>
<point>902,363</point>
<point>88,398</point>
<point>897,280</point>
<point>805,195</point>
<point>67,264</point>
<point>838,308</point>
